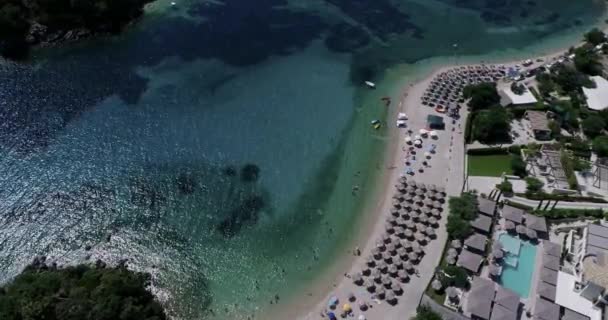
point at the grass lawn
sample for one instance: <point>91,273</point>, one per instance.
<point>489,165</point>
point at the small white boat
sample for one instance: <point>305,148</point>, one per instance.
<point>173,3</point>
<point>370,84</point>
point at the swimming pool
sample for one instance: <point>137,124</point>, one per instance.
<point>518,269</point>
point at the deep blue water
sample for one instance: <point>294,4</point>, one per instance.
<point>135,145</point>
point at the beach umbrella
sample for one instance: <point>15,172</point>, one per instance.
<point>400,231</point>
<point>385,238</point>
<point>521,229</point>
<point>386,257</point>
<point>376,253</point>
<point>389,228</point>
<point>376,274</point>
<point>400,221</point>
<point>423,132</point>
<point>408,233</point>
<point>428,202</point>
<point>362,307</point>
<point>390,297</point>
<point>437,204</point>
<point>420,237</point>
<point>390,247</point>
<point>433,221</point>
<point>452,252</point>
<point>426,210</point>
<point>392,220</point>
<point>397,196</point>
<point>411,183</point>
<point>392,270</point>
<point>432,187</point>
<point>531,234</point>
<point>412,256</point>
<point>369,285</point>
<point>436,212</point>
<point>431,193</point>
<point>497,254</point>
<point>420,226</point>
<point>436,285</point>
<point>427,154</point>
<point>352,297</point>
<point>451,260</point>
<point>395,212</point>
<point>418,142</point>
<point>333,300</point>
<point>441,190</point>
<point>402,275</point>
<point>423,220</point>
<point>430,232</point>
<point>417,137</point>
<point>401,252</point>
<point>417,249</point>
<point>509,225</point>
<point>386,282</point>
<point>410,189</point>
<point>396,287</point>
<point>408,266</point>
<point>370,262</point>
<point>420,185</point>
<point>358,279</point>
<point>418,199</point>
<point>380,292</point>
<point>400,188</point>
<point>396,203</point>
<point>495,270</point>
<point>433,133</point>
<point>402,180</point>
<point>406,245</point>
<point>347,308</point>
<point>419,192</point>
<point>452,293</point>
<point>456,244</point>
<point>403,213</point>
<point>366,271</point>
<point>410,225</point>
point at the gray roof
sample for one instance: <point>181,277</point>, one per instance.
<point>552,249</point>
<point>506,298</point>
<point>482,223</point>
<point>479,300</point>
<point>501,313</point>
<point>476,241</point>
<point>538,224</point>
<point>469,260</point>
<point>597,241</point>
<point>546,290</point>
<point>545,310</point>
<point>573,315</point>
<point>486,206</point>
<point>548,275</point>
<point>598,230</point>
<point>592,291</point>
<point>551,262</point>
<point>513,214</point>
<point>538,120</point>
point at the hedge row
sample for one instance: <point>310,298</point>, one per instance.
<point>560,197</point>
<point>571,213</point>
<point>494,150</point>
<point>468,128</point>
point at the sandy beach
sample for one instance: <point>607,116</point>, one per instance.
<point>446,168</point>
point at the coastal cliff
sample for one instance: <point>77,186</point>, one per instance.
<point>28,23</point>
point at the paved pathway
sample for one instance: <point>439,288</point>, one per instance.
<point>560,204</point>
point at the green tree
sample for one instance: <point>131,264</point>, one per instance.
<point>600,146</point>
<point>424,312</point>
<point>587,62</point>
<point>483,95</point>
<point>595,36</point>
<point>545,84</point>
<point>492,126</point>
<point>505,186</point>
<point>555,129</point>
<point>570,79</point>
<point>533,185</point>
<point>593,126</point>
<point>518,166</point>
<point>79,292</point>
<point>455,276</point>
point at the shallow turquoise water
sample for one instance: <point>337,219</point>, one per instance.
<point>135,144</point>
<point>517,272</point>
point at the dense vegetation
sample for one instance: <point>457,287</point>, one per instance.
<point>492,125</point>
<point>482,96</point>
<point>30,22</point>
<point>424,312</point>
<point>463,210</point>
<point>77,293</point>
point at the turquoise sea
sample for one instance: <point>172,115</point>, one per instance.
<point>216,144</point>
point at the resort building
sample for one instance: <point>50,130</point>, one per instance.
<point>515,215</point>
<point>583,290</point>
<point>486,207</point>
<point>539,124</point>
<point>597,98</point>
<point>476,243</point>
<point>509,98</point>
<point>482,224</point>
<point>490,301</point>
<point>470,261</point>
